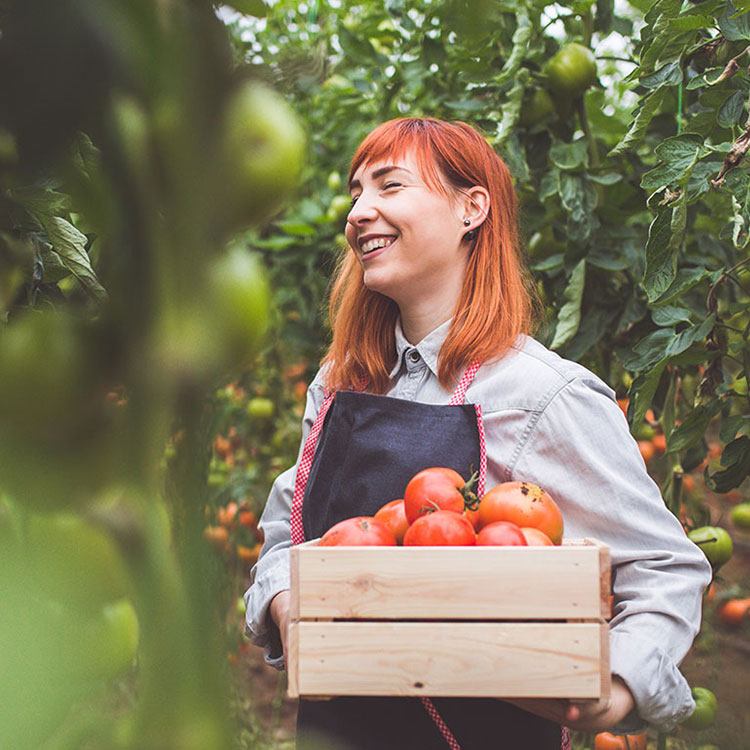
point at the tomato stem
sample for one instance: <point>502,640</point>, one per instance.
<point>471,499</point>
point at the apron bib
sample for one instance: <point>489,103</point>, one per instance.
<point>361,452</point>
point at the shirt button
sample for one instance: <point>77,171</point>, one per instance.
<point>414,355</point>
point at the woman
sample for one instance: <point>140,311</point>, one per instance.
<point>431,307</point>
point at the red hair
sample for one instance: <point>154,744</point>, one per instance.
<point>498,300</point>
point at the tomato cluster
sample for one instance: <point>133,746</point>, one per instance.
<point>440,508</point>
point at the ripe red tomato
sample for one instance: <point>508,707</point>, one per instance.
<point>524,504</point>
<point>358,531</point>
<point>536,538</point>
<point>441,528</point>
<point>503,534</point>
<point>393,515</point>
<point>437,488</point>
<point>608,741</point>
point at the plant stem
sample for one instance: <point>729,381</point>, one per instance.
<point>583,117</point>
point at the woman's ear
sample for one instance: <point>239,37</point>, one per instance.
<point>476,206</point>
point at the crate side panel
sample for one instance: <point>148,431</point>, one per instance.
<point>561,660</point>
<point>471,583</point>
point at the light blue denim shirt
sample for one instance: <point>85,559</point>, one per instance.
<point>550,421</point>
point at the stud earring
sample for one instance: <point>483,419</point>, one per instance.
<point>467,222</point>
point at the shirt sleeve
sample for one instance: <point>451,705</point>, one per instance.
<point>270,574</point>
<point>580,449</point>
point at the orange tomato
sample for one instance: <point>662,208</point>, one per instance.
<point>246,554</point>
<point>248,519</point>
<point>623,403</point>
<point>688,483</point>
<point>222,446</point>
<point>536,538</point>
<point>647,449</point>
<point>608,741</point>
<point>524,504</point>
<point>393,515</point>
<point>218,537</point>
<point>226,515</point>
<point>660,443</point>
<point>734,611</point>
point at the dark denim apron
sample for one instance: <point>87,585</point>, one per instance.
<point>369,448</point>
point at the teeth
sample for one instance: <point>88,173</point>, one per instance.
<point>376,243</point>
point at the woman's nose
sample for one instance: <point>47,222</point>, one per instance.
<point>362,211</point>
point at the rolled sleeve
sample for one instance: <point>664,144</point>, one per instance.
<point>270,574</point>
<point>580,449</point>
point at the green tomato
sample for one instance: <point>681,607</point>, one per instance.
<point>571,70</point>
<point>537,107</point>
<point>108,643</point>
<point>704,713</point>
<point>263,150</point>
<point>260,408</point>
<point>236,306</point>
<point>740,516</point>
<point>334,181</point>
<point>715,542</point>
<point>339,207</point>
<point>75,563</point>
<point>739,386</point>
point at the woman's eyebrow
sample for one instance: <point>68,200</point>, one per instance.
<point>379,172</point>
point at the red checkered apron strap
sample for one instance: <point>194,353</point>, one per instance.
<point>303,470</point>
<point>565,743</point>
<point>458,397</point>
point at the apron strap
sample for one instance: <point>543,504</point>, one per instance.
<point>303,471</point>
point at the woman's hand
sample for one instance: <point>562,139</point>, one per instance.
<point>591,716</point>
<point>280,615</point>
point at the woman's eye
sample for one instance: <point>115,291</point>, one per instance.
<point>354,199</point>
<point>389,185</point>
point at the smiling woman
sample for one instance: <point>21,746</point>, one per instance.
<point>432,364</point>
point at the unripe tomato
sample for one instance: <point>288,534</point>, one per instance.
<point>704,713</point>
<point>715,542</point>
<point>502,534</point>
<point>536,108</point>
<point>108,643</point>
<point>571,70</point>
<point>525,504</point>
<point>262,153</point>
<point>393,515</point>
<point>339,207</point>
<point>334,181</point>
<point>441,528</point>
<point>358,531</point>
<point>260,408</point>
<point>740,516</point>
<point>74,562</point>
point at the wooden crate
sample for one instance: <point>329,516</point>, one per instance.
<point>503,622</point>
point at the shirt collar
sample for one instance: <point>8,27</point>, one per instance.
<point>428,347</point>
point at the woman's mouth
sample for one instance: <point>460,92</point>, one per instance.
<point>377,246</point>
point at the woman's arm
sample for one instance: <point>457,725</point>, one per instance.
<point>270,574</point>
<point>581,450</point>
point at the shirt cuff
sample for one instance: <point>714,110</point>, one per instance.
<point>259,625</point>
<point>662,694</point>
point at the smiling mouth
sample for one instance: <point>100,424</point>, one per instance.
<point>377,244</point>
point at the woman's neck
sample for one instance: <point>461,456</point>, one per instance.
<point>416,324</point>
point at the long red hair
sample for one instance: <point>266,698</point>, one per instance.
<point>498,300</point>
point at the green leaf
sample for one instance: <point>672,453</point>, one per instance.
<point>569,317</point>
<point>670,315</point>
<point>661,264</point>
<point>520,41</point>
<point>685,339</point>
<point>731,110</point>
<point>691,23</point>
<point>578,197</point>
<point>648,109</point>
<point>608,178</point>
<point>680,153</point>
<point>642,391</point>
<point>685,280</point>
<point>734,29</point>
<point>70,245</point>
<point>649,350</point>
<point>668,75</point>
<point>693,428</point>
<point>255,8</point>
<point>736,457</point>
<point>511,108</point>
<point>569,156</point>
<point>296,228</point>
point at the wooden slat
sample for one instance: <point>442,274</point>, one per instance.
<point>470,583</point>
<point>541,660</point>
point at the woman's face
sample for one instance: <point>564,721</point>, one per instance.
<point>406,235</point>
